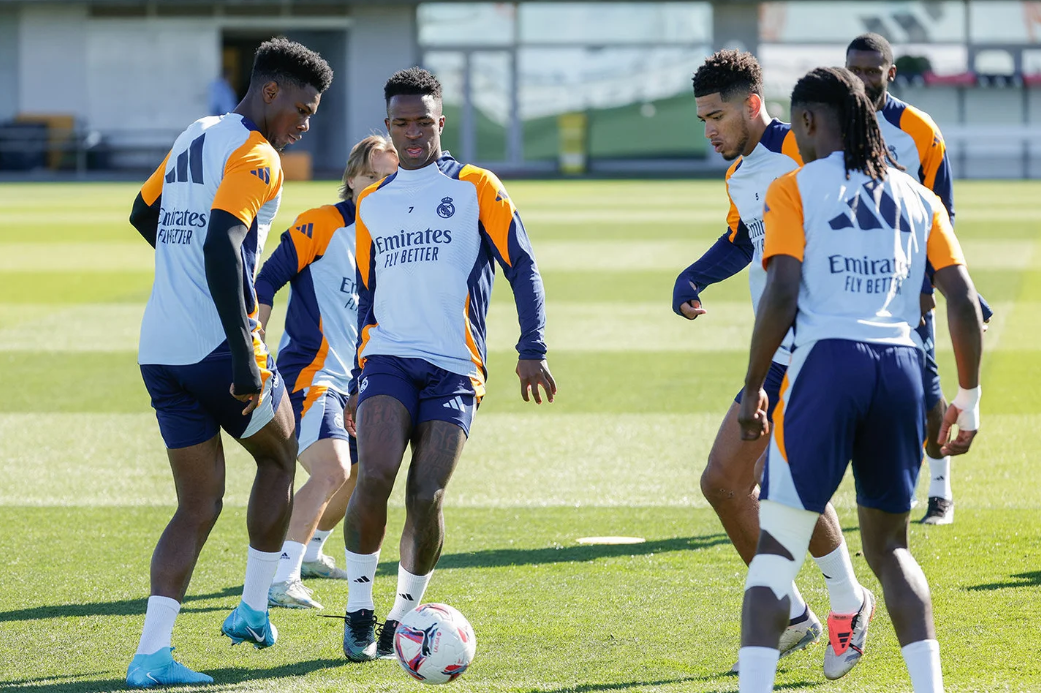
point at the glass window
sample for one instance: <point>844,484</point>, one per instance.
<point>1005,22</point>
<point>839,22</point>
<point>469,24</point>
<point>449,66</point>
<point>602,23</point>
<point>492,79</point>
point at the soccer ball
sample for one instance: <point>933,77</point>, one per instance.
<point>434,643</point>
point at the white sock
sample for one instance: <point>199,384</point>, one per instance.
<point>940,478</point>
<point>410,593</point>
<point>314,547</point>
<point>797,605</point>
<point>289,562</point>
<point>260,568</point>
<point>159,621</point>
<point>843,588</point>
<point>361,571</point>
<point>758,668</point>
<point>923,664</point>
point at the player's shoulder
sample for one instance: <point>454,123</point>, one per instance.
<point>327,216</point>
<point>733,168</point>
<point>908,118</point>
<point>903,183</point>
<point>370,191</point>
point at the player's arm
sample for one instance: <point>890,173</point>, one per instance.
<point>730,254</point>
<point>966,326</point>
<point>235,205</point>
<point>783,252</point>
<point>365,281</point>
<point>503,227</point>
<point>296,250</point>
<point>144,215</point>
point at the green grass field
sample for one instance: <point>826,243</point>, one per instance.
<point>86,489</point>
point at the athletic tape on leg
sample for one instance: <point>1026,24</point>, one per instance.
<point>792,529</point>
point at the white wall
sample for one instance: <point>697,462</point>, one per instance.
<point>52,73</point>
<point>10,18</point>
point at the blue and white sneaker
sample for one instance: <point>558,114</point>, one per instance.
<point>160,669</point>
<point>245,624</point>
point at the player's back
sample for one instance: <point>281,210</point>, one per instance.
<point>181,325</point>
<point>914,141</point>
<point>863,244</point>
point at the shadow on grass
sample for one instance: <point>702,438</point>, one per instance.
<point>1031,579</point>
<point>496,558</point>
<point>626,685</point>
<point>123,607</point>
<point>221,677</point>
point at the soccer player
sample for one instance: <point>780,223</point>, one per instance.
<point>915,142</point>
<point>207,210</point>
<point>728,89</point>
<point>428,238</point>
<point>315,357</point>
<point>847,243</point>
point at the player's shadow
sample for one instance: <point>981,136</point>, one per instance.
<point>1031,579</point>
<point>122,607</point>
<point>221,677</point>
<point>626,685</point>
<point>495,558</point>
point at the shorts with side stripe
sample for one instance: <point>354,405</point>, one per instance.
<point>319,416</point>
<point>931,369</point>
<point>772,385</point>
<point>848,401</point>
<point>428,392</point>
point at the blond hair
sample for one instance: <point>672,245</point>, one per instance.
<point>360,160</point>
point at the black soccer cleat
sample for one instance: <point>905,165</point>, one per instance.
<point>359,635</point>
<point>939,512</point>
<point>385,644</point>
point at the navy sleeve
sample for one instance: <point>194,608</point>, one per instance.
<point>278,270</point>
<point>366,315</point>
<point>943,186</point>
<point>723,260</point>
<point>528,291</point>
<point>985,308</point>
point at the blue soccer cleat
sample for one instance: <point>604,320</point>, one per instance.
<point>245,624</point>
<point>160,669</point>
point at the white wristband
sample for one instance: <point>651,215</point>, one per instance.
<point>968,404</point>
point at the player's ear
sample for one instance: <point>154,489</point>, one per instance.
<point>270,91</point>
<point>440,125</point>
<point>892,74</point>
<point>753,106</point>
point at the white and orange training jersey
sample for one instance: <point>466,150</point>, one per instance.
<point>863,245</point>
<point>219,162</point>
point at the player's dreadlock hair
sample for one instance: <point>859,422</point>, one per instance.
<point>414,80</point>
<point>281,60</point>
<point>729,73</point>
<point>843,92</point>
<point>872,42</point>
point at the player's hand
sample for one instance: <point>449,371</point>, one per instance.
<point>985,326</point>
<point>962,442</point>
<point>532,374</point>
<point>692,309</point>
<point>752,414</point>
<point>262,333</point>
<point>252,400</point>
<point>349,412</point>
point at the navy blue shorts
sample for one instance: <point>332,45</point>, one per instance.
<point>931,370</point>
<point>319,415</point>
<point>841,401</point>
<point>429,393</point>
<point>774,378</point>
<point>192,403</point>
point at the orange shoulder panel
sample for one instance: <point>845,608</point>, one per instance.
<point>783,219</point>
<point>733,216</point>
<point>790,148</point>
<point>312,231</point>
<point>943,249</point>
<point>928,141</point>
<point>363,239</point>
<point>153,187</point>
<point>252,178</point>
<point>496,207</point>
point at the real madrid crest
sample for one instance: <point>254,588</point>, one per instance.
<point>446,208</point>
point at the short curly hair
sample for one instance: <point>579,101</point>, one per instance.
<point>413,81</point>
<point>872,43</point>
<point>284,61</point>
<point>729,73</point>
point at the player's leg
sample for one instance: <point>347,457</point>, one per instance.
<point>316,563</point>
<point>940,508</point>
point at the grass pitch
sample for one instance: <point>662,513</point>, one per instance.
<point>86,488</point>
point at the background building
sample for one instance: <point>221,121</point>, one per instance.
<point>108,83</point>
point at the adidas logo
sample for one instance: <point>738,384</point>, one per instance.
<point>363,580</point>
<point>455,403</point>
<point>306,229</point>
<point>284,556</point>
<point>263,174</point>
<point>937,478</point>
<point>407,596</point>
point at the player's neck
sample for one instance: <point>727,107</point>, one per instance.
<point>251,110</point>
<point>756,130</point>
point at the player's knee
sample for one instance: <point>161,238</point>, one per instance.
<point>202,512</point>
<point>424,498</point>
<point>718,484</point>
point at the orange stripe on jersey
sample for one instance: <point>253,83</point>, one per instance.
<point>363,239</point>
<point>364,343</point>
<point>790,148</point>
<point>928,141</point>
<point>307,375</point>
<point>252,178</point>
<point>261,356</point>
<point>471,345</point>
<point>312,231</point>
<point>779,419</point>
<point>733,216</point>
<point>943,249</point>
<point>313,395</point>
<point>496,207</point>
<point>153,187</point>
<point>783,219</point>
